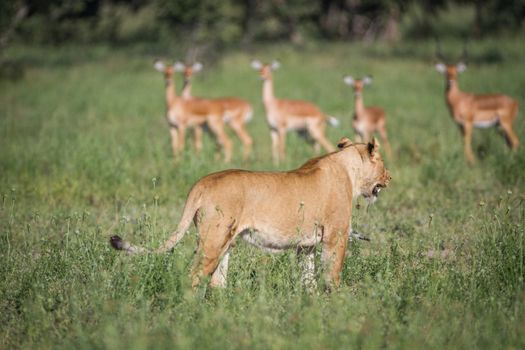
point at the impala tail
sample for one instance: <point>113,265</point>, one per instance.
<point>248,115</point>
<point>333,121</point>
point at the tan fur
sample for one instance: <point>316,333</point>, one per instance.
<point>284,115</point>
<point>470,110</point>
<point>368,120</point>
<point>236,113</point>
<point>278,210</point>
<point>182,113</point>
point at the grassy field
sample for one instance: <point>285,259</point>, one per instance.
<point>85,153</point>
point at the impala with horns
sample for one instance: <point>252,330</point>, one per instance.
<point>367,120</point>
<point>472,110</point>
<point>237,112</point>
<point>284,115</point>
<point>182,113</point>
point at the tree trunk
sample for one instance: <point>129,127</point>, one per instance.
<point>20,14</point>
<point>391,29</point>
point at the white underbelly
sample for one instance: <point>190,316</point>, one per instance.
<point>260,240</point>
<point>296,123</point>
<point>486,123</point>
<point>275,242</point>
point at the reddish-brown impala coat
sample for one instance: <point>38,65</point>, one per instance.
<point>237,112</point>
<point>182,113</point>
<point>481,111</point>
<point>284,115</point>
<point>367,120</point>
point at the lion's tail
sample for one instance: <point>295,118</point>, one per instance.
<point>190,209</point>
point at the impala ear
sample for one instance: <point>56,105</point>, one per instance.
<point>256,64</point>
<point>179,66</point>
<point>461,67</point>
<point>275,65</point>
<point>373,148</point>
<point>197,67</point>
<point>344,142</point>
<point>158,65</point>
<point>441,68</point>
<point>367,80</point>
<point>349,80</point>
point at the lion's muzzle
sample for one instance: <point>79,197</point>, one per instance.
<point>375,191</point>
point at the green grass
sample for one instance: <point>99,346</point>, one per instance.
<point>85,153</point>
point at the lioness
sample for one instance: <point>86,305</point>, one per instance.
<point>278,210</point>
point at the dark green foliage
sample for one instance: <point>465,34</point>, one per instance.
<point>212,24</point>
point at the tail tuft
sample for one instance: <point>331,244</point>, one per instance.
<point>333,121</point>
<point>116,242</point>
<point>119,244</point>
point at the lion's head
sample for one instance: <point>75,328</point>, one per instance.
<point>370,175</point>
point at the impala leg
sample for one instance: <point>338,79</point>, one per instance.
<point>174,133</point>
<point>197,133</point>
<point>334,249</point>
<point>358,136</point>
<point>247,142</point>
<point>317,147</point>
<point>510,135</point>
<point>384,138</point>
<point>282,143</point>
<point>216,125</point>
<point>467,142</point>
<point>317,133</point>
<point>275,146</point>
<point>182,136</point>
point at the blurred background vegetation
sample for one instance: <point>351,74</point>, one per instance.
<point>197,28</point>
<point>243,22</point>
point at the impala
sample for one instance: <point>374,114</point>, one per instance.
<point>182,113</point>
<point>284,115</point>
<point>480,111</point>
<point>367,120</point>
<point>237,112</point>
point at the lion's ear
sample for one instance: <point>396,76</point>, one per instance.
<point>344,142</point>
<point>373,148</point>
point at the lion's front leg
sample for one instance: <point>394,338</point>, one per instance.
<point>334,249</point>
<point>306,256</point>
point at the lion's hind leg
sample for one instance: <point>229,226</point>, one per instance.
<point>218,278</point>
<point>216,236</point>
